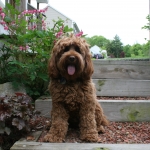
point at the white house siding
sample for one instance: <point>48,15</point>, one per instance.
<point>1,4</point>
<point>53,14</point>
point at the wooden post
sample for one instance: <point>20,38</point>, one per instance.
<point>37,5</point>
<point>22,6</point>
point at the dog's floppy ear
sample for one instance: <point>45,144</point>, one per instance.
<point>88,70</point>
<point>52,68</point>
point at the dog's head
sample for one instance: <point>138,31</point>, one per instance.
<point>70,59</point>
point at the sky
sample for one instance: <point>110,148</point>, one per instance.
<point>107,18</point>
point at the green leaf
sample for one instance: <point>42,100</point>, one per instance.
<point>40,33</point>
<point>43,76</point>
<point>7,19</point>
<point>67,29</point>
<point>32,77</point>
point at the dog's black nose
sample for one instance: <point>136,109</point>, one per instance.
<point>72,58</point>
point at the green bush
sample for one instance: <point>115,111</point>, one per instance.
<point>26,49</point>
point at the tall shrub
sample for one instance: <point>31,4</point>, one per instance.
<point>26,48</point>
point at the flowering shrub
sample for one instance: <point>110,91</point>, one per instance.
<point>27,48</point>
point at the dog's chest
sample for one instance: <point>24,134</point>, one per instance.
<point>72,96</point>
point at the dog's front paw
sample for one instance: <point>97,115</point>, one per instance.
<point>89,137</point>
<point>52,138</point>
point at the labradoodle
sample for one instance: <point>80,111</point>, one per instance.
<point>73,92</point>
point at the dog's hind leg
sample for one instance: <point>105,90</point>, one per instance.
<point>100,118</point>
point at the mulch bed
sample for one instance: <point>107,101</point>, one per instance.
<point>115,132</point>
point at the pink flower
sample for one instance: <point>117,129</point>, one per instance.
<point>13,23</point>
<point>43,24</point>
<point>59,34</point>
<point>23,13</point>
<point>2,22</point>
<point>79,34</point>
<point>38,11</point>
<point>27,46</point>
<point>2,15</point>
<point>1,9</point>
<point>19,16</point>
<point>21,48</point>
<point>35,26</point>
<point>5,28</point>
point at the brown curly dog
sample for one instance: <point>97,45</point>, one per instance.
<point>73,92</point>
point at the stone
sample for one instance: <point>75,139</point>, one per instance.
<point>8,89</point>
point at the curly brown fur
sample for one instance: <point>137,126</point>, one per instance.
<point>73,92</point>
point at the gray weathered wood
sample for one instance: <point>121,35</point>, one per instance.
<point>44,105</point>
<point>77,146</point>
<point>121,69</point>
<point>115,110</point>
<point>122,87</point>
<point>35,134</point>
<point>126,110</point>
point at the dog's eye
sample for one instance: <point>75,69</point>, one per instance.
<point>77,49</point>
<point>66,49</point>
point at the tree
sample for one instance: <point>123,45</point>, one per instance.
<point>100,41</point>
<point>116,47</point>
<point>137,49</point>
<point>146,49</point>
<point>127,50</point>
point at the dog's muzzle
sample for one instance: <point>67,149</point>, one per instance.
<point>71,67</point>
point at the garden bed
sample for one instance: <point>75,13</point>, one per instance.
<point>115,132</point>
<point>118,135</point>
<point>129,124</point>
